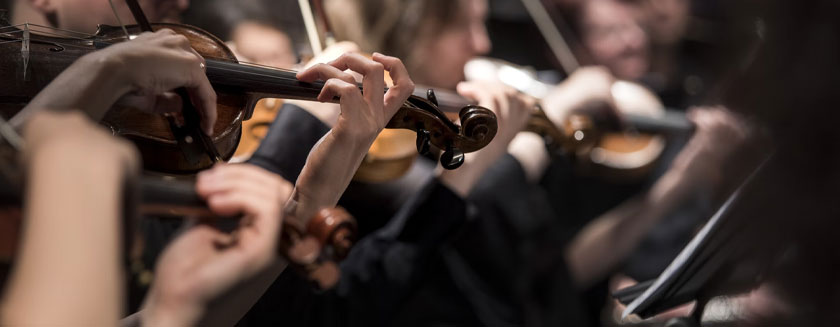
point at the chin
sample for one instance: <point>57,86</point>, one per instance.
<point>632,72</point>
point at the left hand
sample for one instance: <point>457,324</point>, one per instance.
<point>203,263</point>
<point>362,113</point>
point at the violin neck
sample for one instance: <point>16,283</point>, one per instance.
<point>265,81</point>
<point>672,122</point>
<point>448,101</point>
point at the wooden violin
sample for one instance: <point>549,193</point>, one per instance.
<point>599,144</point>
<point>238,86</point>
<point>627,153</point>
<point>313,249</point>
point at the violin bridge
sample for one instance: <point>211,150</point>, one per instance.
<point>24,51</point>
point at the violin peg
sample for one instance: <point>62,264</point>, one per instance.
<point>430,95</point>
<point>424,141</point>
<point>452,158</point>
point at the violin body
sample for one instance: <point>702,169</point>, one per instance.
<point>598,145</point>
<point>151,133</point>
<point>238,86</point>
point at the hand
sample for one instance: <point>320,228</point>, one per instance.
<point>72,139</point>
<point>332,53</point>
<point>203,263</point>
<point>157,63</point>
<point>337,156</point>
<point>587,89</point>
<point>327,112</point>
<point>363,113</point>
<point>512,109</point>
<point>718,134</point>
<point>140,73</point>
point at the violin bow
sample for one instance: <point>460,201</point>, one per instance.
<point>190,132</point>
<point>551,33</point>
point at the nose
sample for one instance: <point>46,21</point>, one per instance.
<point>634,37</point>
<point>480,41</point>
<point>183,4</point>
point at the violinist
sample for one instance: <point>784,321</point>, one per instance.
<point>263,32</point>
<point>227,189</point>
<point>449,188</point>
<point>528,189</point>
<point>612,37</point>
<point>647,41</point>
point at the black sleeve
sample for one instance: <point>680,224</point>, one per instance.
<point>290,138</point>
<point>380,272</point>
<point>386,265</point>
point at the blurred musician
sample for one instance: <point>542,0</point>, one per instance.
<point>514,213</point>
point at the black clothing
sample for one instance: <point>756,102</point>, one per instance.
<point>381,270</point>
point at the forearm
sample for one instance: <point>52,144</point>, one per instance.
<point>530,151</point>
<point>69,268</point>
<point>230,308</point>
<point>91,84</point>
<point>328,171</point>
<point>604,243</point>
<point>225,310</point>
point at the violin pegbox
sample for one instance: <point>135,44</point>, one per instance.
<point>433,128</point>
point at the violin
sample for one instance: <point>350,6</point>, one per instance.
<point>592,139</point>
<point>620,153</point>
<point>314,249</point>
<point>164,147</point>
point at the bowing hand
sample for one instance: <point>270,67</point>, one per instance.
<point>203,263</point>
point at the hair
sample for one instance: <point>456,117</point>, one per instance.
<point>393,27</point>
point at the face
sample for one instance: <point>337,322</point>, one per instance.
<point>84,15</point>
<point>666,20</point>
<point>614,39</point>
<point>442,57</point>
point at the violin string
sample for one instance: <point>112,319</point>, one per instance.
<point>50,31</point>
<point>46,33</point>
<point>38,27</point>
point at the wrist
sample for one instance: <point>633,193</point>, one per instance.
<point>355,139</point>
<point>109,73</point>
<point>669,190</point>
<point>161,313</point>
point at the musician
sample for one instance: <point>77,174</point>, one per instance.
<point>507,195</point>
<point>648,42</point>
<point>611,37</point>
<point>265,32</point>
<point>227,189</point>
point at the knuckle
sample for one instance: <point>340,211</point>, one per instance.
<point>343,57</point>
<point>181,39</point>
<point>165,31</point>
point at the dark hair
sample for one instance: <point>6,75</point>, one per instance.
<point>392,27</point>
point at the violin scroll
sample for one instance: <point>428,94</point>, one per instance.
<point>315,252</point>
<point>477,129</point>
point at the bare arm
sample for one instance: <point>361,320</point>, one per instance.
<point>335,159</point>
<point>69,270</point>
<point>606,242</point>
